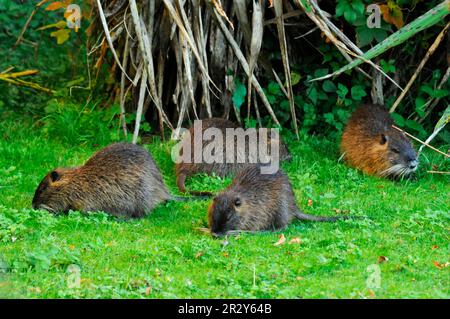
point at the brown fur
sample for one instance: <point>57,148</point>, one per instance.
<point>121,179</point>
<point>184,170</point>
<point>369,143</point>
<point>255,202</point>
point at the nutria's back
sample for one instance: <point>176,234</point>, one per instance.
<point>256,201</point>
<point>186,169</point>
<point>371,144</point>
<point>121,179</point>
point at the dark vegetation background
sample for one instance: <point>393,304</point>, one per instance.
<point>322,107</point>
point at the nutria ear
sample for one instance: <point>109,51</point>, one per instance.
<point>55,176</point>
<point>383,139</point>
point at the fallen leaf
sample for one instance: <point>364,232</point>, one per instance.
<point>382,259</point>
<point>295,240</point>
<point>310,202</point>
<point>434,247</point>
<point>71,247</point>
<point>148,290</point>
<point>280,241</point>
<point>225,254</point>
<point>199,254</point>
<point>35,289</point>
<point>372,293</point>
<point>441,266</point>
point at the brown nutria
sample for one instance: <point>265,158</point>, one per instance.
<point>121,179</point>
<point>255,202</point>
<point>371,144</point>
<point>188,168</point>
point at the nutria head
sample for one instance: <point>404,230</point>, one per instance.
<point>371,144</point>
<point>399,152</point>
<point>49,194</point>
<point>253,202</point>
<point>225,213</point>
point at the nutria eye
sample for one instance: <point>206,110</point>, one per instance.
<point>395,150</point>
<point>237,202</point>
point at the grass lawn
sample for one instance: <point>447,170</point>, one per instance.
<point>401,250</point>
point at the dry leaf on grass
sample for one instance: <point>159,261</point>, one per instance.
<point>441,266</point>
<point>280,241</point>
<point>382,259</point>
<point>199,254</point>
<point>295,240</point>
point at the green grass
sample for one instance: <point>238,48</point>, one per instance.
<point>165,256</point>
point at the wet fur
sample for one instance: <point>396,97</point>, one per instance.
<point>362,143</point>
<point>185,170</point>
<point>121,179</point>
<point>266,202</point>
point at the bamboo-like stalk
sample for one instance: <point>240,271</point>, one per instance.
<point>421,142</point>
<point>245,66</point>
<point>140,106</point>
<point>425,59</point>
<point>278,6</point>
<point>423,22</point>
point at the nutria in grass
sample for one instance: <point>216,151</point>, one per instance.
<point>255,202</point>
<point>224,168</point>
<point>371,144</point>
<point>121,179</point>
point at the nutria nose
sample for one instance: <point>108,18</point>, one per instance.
<point>413,164</point>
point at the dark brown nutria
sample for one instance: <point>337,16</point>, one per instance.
<point>371,144</point>
<point>184,169</point>
<point>255,202</point>
<point>121,179</point>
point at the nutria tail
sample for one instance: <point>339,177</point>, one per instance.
<point>302,216</point>
<point>181,179</point>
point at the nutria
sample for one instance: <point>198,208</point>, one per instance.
<point>121,179</point>
<point>255,202</point>
<point>371,144</point>
<point>189,168</point>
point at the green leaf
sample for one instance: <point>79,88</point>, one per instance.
<point>420,103</point>
<point>414,125</point>
<point>398,119</point>
<point>359,7</point>
<point>342,7</point>
<point>239,94</point>
<point>350,15</point>
<point>312,94</point>
<point>295,77</point>
<point>358,92</point>
<point>274,88</point>
<point>328,86</point>
<point>342,91</point>
<point>320,72</point>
